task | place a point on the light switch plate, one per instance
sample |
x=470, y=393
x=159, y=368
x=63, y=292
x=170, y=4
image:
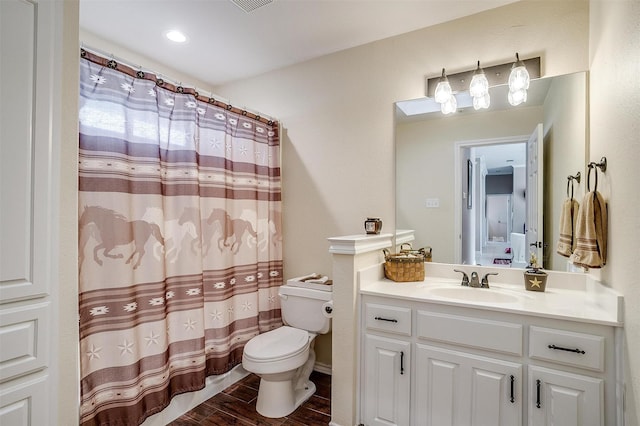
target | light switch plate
x=433, y=203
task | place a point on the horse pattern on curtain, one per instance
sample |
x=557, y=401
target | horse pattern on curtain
x=180, y=247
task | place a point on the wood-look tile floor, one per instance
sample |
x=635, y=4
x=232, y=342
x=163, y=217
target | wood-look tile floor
x=236, y=405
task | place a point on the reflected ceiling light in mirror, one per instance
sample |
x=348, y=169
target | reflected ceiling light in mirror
x=518, y=82
x=479, y=89
x=450, y=106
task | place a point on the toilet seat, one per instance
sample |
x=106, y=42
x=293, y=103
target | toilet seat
x=281, y=343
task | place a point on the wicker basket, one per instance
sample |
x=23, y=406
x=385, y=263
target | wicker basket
x=408, y=265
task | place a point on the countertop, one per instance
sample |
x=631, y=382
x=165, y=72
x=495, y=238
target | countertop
x=568, y=296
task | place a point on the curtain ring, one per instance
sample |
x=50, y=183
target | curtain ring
x=140, y=74
x=244, y=113
x=83, y=53
x=229, y=107
x=180, y=89
x=112, y=64
x=159, y=82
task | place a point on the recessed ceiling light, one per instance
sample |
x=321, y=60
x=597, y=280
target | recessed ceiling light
x=176, y=36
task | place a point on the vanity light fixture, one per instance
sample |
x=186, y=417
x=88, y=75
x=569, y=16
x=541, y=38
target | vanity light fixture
x=516, y=75
x=444, y=95
x=518, y=82
x=479, y=89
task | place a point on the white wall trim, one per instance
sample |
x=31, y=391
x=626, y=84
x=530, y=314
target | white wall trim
x=358, y=244
x=322, y=368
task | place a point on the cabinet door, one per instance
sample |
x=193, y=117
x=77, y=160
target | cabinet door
x=561, y=398
x=386, y=381
x=455, y=388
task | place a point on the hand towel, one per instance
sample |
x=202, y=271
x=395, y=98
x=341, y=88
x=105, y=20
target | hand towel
x=568, y=220
x=591, y=232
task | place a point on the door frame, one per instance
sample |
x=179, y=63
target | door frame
x=459, y=147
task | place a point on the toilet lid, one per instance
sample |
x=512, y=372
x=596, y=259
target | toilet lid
x=278, y=343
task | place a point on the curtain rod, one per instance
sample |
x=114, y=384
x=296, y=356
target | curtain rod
x=219, y=101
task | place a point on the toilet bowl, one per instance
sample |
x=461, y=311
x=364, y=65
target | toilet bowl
x=284, y=358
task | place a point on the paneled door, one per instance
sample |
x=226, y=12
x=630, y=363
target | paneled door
x=535, y=173
x=28, y=215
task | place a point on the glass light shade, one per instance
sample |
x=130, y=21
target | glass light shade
x=479, y=85
x=517, y=97
x=450, y=106
x=443, y=91
x=481, y=102
x=519, y=78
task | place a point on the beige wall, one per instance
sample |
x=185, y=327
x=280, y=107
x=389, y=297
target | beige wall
x=565, y=153
x=615, y=128
x=337, y=113
x=425, y=149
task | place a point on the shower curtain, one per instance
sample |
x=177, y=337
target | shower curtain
x=180, y=246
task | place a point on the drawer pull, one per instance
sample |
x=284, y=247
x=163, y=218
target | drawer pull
x=538, y=393
x=560, y=348
x=513, y=380
x=401, y=362
x=385, y=319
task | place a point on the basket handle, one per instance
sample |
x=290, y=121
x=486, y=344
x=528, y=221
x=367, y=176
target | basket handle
x=386, y=254
x=402, y=247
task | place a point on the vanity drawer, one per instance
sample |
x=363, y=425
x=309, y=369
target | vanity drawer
x=566, y=347
x=479, y=333
x=392, y=319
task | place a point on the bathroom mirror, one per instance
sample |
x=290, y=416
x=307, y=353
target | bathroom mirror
x=435, y=154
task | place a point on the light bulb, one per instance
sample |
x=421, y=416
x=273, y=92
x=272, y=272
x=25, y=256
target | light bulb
x=517, y=97
x=481, y=102
x=479, y=84
x=450, y=106
x=443, y=90
x=519, y=77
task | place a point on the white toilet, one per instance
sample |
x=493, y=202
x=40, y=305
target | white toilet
x=284, y=357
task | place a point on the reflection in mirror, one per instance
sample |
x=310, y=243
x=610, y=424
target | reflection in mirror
x=432, y=189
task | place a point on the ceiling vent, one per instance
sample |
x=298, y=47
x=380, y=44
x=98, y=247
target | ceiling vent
x=250, y=5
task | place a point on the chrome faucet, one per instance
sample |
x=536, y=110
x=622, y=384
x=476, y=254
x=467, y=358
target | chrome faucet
x=465, y=277
x=475, y=281
x=485, y=279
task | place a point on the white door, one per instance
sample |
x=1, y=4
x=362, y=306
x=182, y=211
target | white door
x=561, y=398
x=455, y=388
x=28, y=218
x=386, y=382
x=535, y=173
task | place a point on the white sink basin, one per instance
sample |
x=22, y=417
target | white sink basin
x=471, y=294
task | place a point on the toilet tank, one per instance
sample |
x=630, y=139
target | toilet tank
x=303, y=308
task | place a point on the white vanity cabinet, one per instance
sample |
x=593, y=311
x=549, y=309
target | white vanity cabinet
x=387, y=365
x=435, y=364
x=560, y=397
x=456, y=388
